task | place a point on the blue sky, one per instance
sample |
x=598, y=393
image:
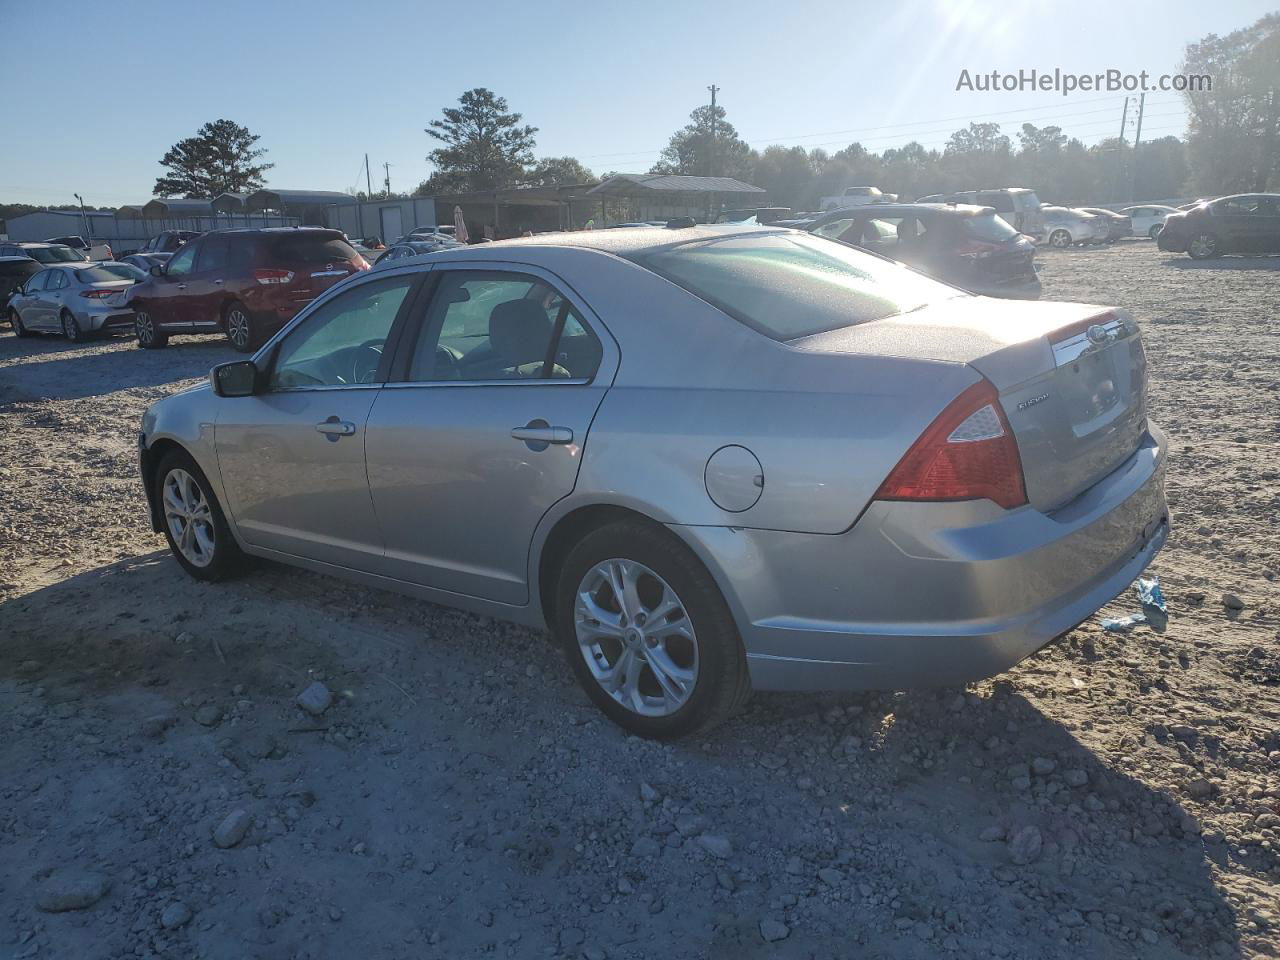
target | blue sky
x=324, y=81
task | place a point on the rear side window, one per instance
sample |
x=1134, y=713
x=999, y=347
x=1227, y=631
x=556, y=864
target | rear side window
x=305, y=249
x=790, y=286
x=989, y=228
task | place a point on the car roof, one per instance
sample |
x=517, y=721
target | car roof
x=18, y=260
x=623, y=243
x=34, y=244
x=271, y=231
x=888, y=209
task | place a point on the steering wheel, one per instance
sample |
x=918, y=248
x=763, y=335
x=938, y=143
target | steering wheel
x=365, y=362
x=447, y=363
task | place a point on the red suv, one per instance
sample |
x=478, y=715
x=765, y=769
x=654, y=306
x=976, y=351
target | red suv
x=246, y=284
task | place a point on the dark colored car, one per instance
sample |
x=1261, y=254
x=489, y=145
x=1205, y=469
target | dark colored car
x=246, y=284
x=145, y=261
x=1245, y=223
x=960, y=244
x=1118, y=224
x=14, y=272
x=168, y=242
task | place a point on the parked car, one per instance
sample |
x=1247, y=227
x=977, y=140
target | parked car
x=245, y=284
x=964, y=245
x=856, y=196
x=1068, y=226
x=14, y=272
x=77, y=300
x=1118, y=224
x=125, y=271
x=414, y=248
x=1018, y=206
x=710, y=460
x=1245, y=223
x=145, y=261
x=1148, y=219
x=168, y=241
x=92, y=251
x=447, y=229
x=761, y=215
x=1195, y=203
x=45, y=253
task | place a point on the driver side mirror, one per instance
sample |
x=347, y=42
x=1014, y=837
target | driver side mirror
x=157, y=270
x=236, y=379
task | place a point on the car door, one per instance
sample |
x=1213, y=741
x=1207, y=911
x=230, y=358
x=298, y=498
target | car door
x=481, y=427
x=201, y=301
x=50, y=299
x=165, y=293
x=1234, y=220
x=292, y=456
x=1267, y=230
x=27, y=303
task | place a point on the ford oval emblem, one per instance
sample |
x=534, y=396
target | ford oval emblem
x=1097, y=334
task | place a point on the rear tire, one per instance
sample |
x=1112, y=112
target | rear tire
x=240, y=329
x=1060, y=239
x=1203, y=246
x=193, y=521
x=15, y=321
x=144, y=328
x=71, y=327
x=696, y=637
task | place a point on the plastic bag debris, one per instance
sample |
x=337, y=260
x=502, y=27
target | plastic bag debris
x=1155, y=612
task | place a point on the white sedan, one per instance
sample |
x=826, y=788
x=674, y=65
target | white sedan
x=1148, y=220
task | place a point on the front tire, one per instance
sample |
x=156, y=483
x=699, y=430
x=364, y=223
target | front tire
x=1203, y=246
x=193, y=521
x=1060, y=239
x=15, y=321
x=648, y=634
x=144, y=328
x=1154, y=232
x=240, y=329
x=71, y=327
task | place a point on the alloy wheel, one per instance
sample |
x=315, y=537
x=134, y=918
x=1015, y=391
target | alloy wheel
x=636, y=637
x=190, y=521
x=238, y=328
x=70, y=329
x=1060, y=238
x=144, y=327
x=1203, y=245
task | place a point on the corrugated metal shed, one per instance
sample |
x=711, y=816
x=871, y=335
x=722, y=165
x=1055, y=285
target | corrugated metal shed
x=649, y=184
x=160, y=208
x=296, y=199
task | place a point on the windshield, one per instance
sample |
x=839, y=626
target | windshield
x=988, y=227
x=55, y=255
x=789, y=286
x=105, y=272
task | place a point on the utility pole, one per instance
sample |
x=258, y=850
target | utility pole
x=711, y=156
x=88, y=231
x=387, y=169
x=368, y=181
x=1124, y=118
x=1137, y=139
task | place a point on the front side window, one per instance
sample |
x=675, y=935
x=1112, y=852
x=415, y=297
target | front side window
x=788, y=286
x=341, y=342
x=835, y=230
x=180, y=263
x=1240, y=206
x=485, y=325
x=36, y=283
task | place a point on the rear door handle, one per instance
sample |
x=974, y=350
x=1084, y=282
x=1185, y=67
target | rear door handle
x=218, y=282
x=333, y=428
x=539, y=434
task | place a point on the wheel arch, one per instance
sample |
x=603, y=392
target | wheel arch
x=151, y=458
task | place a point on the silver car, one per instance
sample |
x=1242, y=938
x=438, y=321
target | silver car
x=76, y=300
x=709, y=460
x=1067, y=226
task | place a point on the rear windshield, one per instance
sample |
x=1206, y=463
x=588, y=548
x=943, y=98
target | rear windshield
x=988, y=227
x=19, y=268
x=54, y=254
x=304, y=249
x=106, y=272
x=789, y=286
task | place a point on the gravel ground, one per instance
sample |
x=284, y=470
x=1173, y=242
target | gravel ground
x=163, y=795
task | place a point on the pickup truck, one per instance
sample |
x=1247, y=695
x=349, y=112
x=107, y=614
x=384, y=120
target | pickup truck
x=856, y=197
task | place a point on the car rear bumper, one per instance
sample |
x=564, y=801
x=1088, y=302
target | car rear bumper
x=934, y=594
x=118, y=319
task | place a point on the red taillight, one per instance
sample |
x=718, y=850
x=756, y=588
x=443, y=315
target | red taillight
x=967, y=453
x=98, y=294
x=268, y=277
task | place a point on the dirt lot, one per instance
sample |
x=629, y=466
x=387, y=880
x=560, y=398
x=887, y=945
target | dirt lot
x=1114, y=796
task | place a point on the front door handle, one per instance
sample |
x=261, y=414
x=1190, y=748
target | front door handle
x=333, y=428
x=182, y=286
x=538, y=434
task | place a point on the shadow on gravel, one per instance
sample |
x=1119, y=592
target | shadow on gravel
x=875, y=825
x=1225, y=263
x=49, y=368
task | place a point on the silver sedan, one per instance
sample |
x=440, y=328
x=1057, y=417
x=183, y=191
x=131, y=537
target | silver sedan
x=708, y=460
x=76, y=300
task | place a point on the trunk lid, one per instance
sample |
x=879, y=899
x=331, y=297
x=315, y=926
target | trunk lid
x=1071, y=378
